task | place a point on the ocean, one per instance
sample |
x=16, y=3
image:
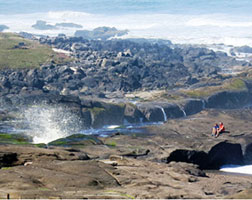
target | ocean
x=181, y=21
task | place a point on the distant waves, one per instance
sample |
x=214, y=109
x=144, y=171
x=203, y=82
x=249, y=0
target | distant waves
x=185, y=29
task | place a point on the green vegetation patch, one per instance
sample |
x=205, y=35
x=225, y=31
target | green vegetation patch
x=111, y=144
x=96, y=110
x=17, y=139
x=234, y=84
x=18, y=52
x=76, y=140
x=40, y=145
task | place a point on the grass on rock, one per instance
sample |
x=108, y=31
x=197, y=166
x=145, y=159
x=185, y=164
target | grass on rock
x=18, y=52
x=234, y=84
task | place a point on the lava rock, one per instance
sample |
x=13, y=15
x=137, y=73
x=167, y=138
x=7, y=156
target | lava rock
x=190, y=156
x=224, y=153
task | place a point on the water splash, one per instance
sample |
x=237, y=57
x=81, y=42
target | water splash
x=246, y=169
x=163, y=111
x=47, y=123
x=184, y=113
x=203, y=104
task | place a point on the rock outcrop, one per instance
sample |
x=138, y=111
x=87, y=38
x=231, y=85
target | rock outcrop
x=103, y=33
x=229, y=99
x=3, y=27
x=221, y=154
x=193, y=106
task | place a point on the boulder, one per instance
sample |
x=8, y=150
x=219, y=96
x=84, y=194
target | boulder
x=7, y=159
x=223, y=153
x=132, y=114
x=193, y=106
x=151, y=112
x=190, y=156
x=108, y=114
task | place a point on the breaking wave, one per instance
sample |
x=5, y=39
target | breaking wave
x=179, y=28
x=247, y=169
x=46, y=123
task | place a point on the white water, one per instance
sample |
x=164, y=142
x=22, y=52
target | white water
x=179, y=28
x=184, y=113
x=48, y=123
x=163, y=111
x=247, y=169
x=203, y=104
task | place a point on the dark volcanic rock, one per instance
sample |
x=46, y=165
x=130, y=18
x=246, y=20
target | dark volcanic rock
x=151, y=112
x=248, y=154
x=156, y=112
x=117, y=65
x=42, y=25
x=172, y=111
x=106, y=115
x=132, y=114
x=243, y=49
x=193, y=106
x=100, y=33
x=224, y=153
x=3, y=27
x=7, y=159
x=229, y=99
x=190, y=156
x=246, y=145
x=86, y=117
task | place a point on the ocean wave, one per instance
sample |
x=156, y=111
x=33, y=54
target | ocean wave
x=194, y=29
x=246, y=169
x=67, y=14
x=203, y=21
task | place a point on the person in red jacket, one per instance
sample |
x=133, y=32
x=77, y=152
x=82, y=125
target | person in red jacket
x=221, y=129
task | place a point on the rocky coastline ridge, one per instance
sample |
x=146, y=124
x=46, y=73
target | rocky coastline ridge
x=118, y=82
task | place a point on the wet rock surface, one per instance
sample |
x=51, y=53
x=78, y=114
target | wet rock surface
x=135, y=165
x=166, y=161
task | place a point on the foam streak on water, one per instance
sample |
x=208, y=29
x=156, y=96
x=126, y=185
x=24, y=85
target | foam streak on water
x=48, y=123
x=247, y=169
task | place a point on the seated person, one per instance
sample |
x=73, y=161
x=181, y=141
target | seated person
x=215, y=130
x=221, y=128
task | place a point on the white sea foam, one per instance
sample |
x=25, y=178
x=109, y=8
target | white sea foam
x=47, y=123
x=61, y=51
x=247, y=169
x=193, y=29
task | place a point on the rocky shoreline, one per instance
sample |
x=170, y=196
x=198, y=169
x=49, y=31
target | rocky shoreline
x=158, y=163
x=105, y=83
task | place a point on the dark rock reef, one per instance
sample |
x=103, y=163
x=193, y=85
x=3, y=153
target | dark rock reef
x=100, y=33
x=3, y=27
